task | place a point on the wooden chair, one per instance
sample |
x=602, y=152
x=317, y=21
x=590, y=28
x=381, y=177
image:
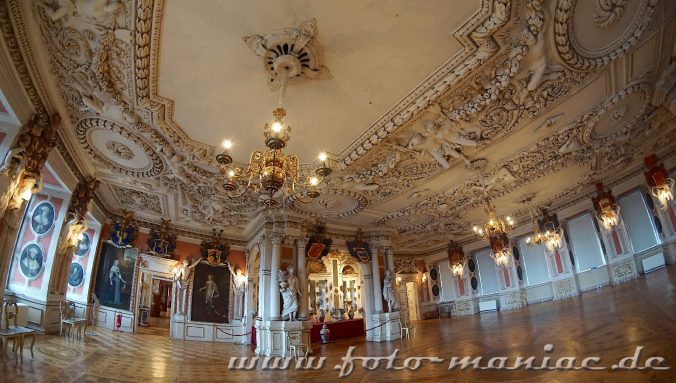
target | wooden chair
x=77, y=325
x=11, y=331
x=295, y=342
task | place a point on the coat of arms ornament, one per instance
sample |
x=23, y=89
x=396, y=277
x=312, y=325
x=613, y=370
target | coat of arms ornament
x=162, y=242
x=215, y=251
x=358, y=248
x=318, y=246
x=123, y=233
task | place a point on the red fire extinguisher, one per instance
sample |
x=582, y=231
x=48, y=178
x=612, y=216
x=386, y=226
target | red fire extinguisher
x=118, y=321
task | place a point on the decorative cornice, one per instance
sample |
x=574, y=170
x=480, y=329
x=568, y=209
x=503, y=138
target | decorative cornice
x=17, y=42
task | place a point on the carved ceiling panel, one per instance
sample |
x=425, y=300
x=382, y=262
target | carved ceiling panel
x=137, y=200
x=525, y=91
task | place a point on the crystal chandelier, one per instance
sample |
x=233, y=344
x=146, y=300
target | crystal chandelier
x=607, y=211
x=661, y=185
x=272, y=172
x=496, y=231
x=552, y=235
x=456, y=259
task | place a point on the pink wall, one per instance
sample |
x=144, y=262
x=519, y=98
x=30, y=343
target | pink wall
x=183, y=249
x=46, y=242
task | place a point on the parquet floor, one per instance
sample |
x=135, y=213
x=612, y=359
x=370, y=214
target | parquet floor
x=609, y=324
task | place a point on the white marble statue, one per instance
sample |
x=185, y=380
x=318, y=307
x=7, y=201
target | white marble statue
x=181, y=278
x=289, y=295
x=10, y=176
x=388, y=291
x=238, y=289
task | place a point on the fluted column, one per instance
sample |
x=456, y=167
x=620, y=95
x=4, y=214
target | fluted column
x=275, y=310
x=377, y=287
x=302, y=277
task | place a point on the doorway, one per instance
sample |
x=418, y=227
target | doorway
x=154, y=305
x=412, y=299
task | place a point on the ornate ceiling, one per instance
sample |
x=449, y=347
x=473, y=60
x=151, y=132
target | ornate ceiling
x=412, y=98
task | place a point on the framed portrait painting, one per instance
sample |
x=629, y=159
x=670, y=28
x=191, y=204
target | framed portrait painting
x=115, y=276
x=210, y=294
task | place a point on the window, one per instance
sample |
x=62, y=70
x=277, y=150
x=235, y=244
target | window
x=446, y=278
x=534, y=261
x=639, y=222
x=585, y=242
x=488, y=279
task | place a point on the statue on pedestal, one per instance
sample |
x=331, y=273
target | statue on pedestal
x=388, y=290
x=182, y=278
x=238, y=288
x=289, y=296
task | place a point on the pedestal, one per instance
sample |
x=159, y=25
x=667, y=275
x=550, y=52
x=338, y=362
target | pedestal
x=390, y=330
x=670, y=252
x=512, y=299
x=623, y=270
x=271, y=336
x=564, y=286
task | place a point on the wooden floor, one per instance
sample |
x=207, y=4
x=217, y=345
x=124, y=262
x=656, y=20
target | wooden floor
x=609, y=324
x=156, y=326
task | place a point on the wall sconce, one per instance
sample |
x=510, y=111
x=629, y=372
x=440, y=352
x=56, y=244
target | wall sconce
x=456, y=259
x=661, y=185
x=607, y=211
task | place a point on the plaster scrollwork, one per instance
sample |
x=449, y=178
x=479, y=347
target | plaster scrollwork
x=87, y=126
x=478, y=37
x=406, y=266
x=534, y=22
x=138, y=200
x=545, y=157
x=144, y=14
x=89, y=43
x=336, y=203
x=121, y=150
x=607, y=12
x=575, y=55
x=397, y=163
x=613, y=119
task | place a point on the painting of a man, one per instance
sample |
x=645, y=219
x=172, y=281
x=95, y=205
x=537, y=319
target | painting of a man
x=210, y=292
x=210, y=298
x=31, y=261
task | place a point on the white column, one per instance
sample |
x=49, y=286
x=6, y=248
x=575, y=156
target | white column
x=302, y=277
x=265, y=254
x=377, y=288
x=367, y=293
x=275, y=313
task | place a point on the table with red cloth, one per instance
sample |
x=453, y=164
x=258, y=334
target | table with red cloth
x=339, y=329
